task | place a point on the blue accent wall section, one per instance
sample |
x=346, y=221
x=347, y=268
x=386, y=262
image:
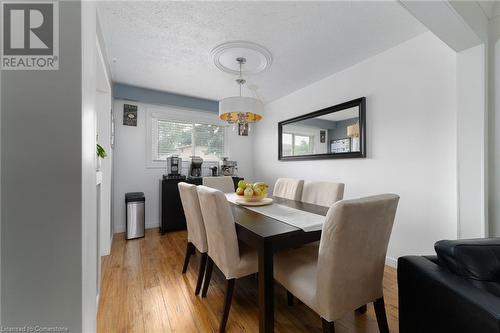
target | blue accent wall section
x=150, y=96
x=319, y=123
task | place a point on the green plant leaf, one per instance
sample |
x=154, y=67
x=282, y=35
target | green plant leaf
x=100, y=151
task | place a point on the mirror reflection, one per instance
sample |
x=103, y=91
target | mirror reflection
x=333, y=133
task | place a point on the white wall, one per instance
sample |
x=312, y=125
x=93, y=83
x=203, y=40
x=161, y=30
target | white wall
x=494, y=127
x=130, y=158
x=464, y=25
x=411, y=138
x=42, y=188
x=103, y=126
x=89, y=241
x=471, y=144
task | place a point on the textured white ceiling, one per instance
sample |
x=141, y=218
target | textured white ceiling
x=166, y=45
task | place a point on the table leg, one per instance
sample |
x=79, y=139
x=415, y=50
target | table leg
x=266, y=289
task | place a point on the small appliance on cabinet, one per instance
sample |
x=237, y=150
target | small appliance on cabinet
x=174, y=165
x=195, y=169
x=228, y=168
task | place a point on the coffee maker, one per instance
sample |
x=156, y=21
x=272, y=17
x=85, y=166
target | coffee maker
x=195, y=167
x=174, y=165
x=228, y=168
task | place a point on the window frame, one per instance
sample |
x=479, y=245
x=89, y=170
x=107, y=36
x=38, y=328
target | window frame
x=311, y=137
x=179, y=115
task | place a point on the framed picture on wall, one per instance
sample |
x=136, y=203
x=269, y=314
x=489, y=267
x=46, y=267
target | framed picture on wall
x=322, y=136
x=340, y=145
x=129, y=115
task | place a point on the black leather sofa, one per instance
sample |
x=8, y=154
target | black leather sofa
x=458, y=290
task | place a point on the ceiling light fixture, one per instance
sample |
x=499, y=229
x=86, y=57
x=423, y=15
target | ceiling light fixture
x=241, y=57
x=239, y=109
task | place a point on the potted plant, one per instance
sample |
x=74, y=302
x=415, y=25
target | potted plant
x=101, y=153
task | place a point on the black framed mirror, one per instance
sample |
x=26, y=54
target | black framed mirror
x=338, y=131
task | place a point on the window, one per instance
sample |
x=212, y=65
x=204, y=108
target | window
x=302, y=144
x=297, y=144
x=186, y=139
x=208, y=141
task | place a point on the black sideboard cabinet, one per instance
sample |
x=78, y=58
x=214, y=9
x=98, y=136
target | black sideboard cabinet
x=171, y=212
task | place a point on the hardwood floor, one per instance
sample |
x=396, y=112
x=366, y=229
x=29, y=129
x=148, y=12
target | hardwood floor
x=143, y=290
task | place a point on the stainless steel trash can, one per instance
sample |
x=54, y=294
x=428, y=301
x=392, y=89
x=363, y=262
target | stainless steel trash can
x=135, y=212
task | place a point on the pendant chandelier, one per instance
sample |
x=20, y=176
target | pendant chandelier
x=239, y=58
x=240, y=110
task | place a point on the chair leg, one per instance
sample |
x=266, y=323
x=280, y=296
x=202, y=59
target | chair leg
x=189, y=251
x=289, y=298
x=361, y=309
x=201, y=272
x=208, y=276
x=328, y=326
x=379, y=305
x=227, y=304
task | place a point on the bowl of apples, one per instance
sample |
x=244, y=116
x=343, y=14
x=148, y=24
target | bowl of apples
x=249, y=192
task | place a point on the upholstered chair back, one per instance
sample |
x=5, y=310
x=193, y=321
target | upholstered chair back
x=221, y=231
x=322, y=193
x=224, y=183
x=194, y=219
x=352, y=253
x=288, y=188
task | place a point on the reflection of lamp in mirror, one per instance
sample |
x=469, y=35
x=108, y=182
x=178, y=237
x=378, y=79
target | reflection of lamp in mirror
x=353, y=133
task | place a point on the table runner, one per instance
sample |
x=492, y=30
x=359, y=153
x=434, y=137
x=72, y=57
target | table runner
x=295, y=217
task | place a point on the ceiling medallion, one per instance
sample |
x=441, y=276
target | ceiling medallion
x=257, y=57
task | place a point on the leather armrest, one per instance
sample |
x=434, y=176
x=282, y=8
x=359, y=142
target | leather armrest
x=477, y=259
x=432, y=299
x=433, y=258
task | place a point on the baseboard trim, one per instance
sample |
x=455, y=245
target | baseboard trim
x=149, y=225
x=391, y=262
x=152, y=225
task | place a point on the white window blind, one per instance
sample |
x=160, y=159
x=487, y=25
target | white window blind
x=208, y=141
x=186, y=139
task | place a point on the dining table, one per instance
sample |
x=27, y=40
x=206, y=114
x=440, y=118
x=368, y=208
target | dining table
x=268, y=235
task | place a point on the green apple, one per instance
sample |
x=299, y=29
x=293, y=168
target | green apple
x=257, y=192
x=239, y=191
x=248, y=192
x=242, y=184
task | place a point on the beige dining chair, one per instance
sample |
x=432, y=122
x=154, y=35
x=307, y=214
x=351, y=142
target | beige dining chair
x=197, y=238
x=322, y=193
x=288, y=188
x=223, y=183
x=346, y=272
x=233, y=260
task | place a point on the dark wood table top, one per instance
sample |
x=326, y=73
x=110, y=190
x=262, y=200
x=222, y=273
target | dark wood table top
x=265, y=226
